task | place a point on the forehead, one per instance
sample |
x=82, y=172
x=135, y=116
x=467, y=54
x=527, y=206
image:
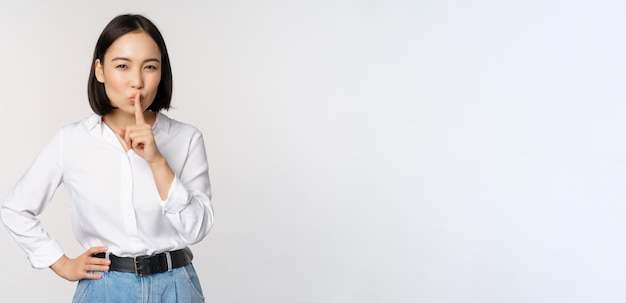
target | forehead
x=134, y=45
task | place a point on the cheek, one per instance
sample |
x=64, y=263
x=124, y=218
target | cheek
x=152, y=85
x=153, y=80
x=114, y=81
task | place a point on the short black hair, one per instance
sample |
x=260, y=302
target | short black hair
x=118, y=27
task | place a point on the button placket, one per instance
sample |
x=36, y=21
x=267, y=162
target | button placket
x=126, y=200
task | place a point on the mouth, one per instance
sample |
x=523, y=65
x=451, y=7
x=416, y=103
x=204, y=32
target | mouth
x=132, y=99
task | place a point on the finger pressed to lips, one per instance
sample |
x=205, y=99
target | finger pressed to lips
x=139, y=118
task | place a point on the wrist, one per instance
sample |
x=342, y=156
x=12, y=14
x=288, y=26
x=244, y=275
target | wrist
x=58, y=265
x=157, y=162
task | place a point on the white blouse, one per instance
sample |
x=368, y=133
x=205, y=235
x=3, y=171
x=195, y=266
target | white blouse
x=113, y=199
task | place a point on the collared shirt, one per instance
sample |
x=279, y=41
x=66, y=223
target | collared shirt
x=113, y=199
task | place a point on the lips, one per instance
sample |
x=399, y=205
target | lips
x=132, y=99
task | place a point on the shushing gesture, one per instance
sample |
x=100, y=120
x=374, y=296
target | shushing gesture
x=139, y=137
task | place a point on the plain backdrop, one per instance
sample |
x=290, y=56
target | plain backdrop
x=362, y=150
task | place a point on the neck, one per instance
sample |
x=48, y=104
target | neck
x=118, y=119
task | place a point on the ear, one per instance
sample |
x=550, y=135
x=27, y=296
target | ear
x=99, y=71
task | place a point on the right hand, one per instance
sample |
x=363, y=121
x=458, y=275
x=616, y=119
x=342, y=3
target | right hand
x=82, y=266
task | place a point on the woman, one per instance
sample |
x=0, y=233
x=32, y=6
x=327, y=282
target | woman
x=137, y=181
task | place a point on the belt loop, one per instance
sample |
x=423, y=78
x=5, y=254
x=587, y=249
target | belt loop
x=107, y=254
x=169, y=260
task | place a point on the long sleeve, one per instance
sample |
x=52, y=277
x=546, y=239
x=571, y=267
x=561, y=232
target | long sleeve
x=188, y=205
x=28, y=199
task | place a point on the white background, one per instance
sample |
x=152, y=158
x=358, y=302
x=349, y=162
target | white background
x=362, y=151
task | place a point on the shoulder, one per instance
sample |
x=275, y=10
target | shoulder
x=79, y=131
x=72, y=133
x=175, y=127
x=86, y=123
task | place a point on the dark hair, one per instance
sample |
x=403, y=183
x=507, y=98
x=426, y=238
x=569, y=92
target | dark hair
x=118, y=27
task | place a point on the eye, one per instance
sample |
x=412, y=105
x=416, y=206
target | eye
x=152, y=67
x=124, y=66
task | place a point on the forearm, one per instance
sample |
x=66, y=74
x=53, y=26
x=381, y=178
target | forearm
x=27, y=230
x=194, y=221
x=163, y=176
x=188, y=205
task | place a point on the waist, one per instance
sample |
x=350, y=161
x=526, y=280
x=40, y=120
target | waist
x=149, y=265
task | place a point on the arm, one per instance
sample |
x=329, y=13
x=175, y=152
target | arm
x=140, y=138
x=28, y=199
x=186, y=199
x=188, y=204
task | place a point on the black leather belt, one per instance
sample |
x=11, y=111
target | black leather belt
x=148, y=265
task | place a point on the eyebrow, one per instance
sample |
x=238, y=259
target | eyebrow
x=144, y=61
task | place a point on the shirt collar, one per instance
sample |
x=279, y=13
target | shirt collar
x=162, y=122
x=92, y=121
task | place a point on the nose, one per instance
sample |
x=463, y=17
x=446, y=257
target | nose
x=136, y=80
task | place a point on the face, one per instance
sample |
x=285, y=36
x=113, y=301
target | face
x=132, y=64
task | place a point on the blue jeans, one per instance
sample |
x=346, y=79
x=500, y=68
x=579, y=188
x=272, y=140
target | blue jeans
x=179, y=285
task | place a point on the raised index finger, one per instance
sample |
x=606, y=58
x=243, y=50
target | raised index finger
x=139, y=119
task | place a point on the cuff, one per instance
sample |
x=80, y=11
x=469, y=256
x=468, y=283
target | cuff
x=46, y=255
x=177, y=198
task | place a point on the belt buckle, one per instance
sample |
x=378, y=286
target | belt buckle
x=136, y=261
